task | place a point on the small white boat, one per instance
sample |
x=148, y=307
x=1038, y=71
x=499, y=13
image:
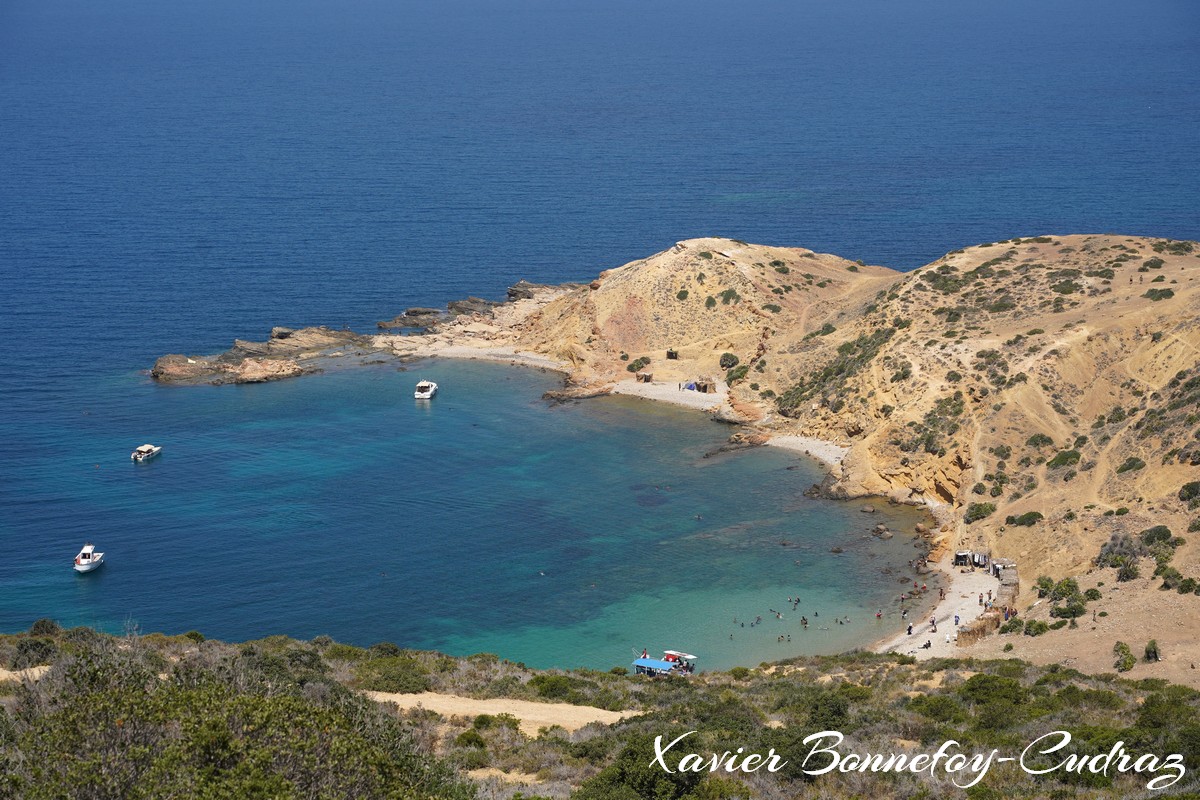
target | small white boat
x=88, y=559
x=425, y=390
x=145, y=451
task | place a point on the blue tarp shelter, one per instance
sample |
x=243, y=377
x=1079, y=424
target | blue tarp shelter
x=653, y=666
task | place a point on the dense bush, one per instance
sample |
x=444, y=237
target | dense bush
x=106, y=726
x=729, y=361
x=1132, y=463
x=1125, y=660
x=978, y=511
x=1064, y=458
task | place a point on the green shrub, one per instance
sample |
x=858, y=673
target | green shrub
x=706, y=255
x=737, y=373
x=637, y=365
x=1026, y=520
x=1131, y=463
x=1128, y=571
x=1039, y=440
x=710, y=302
x=1125, y=660
x=555, y=687
x=1064, y=458
x=1159, y=294
x=682, y=294
x=1074, y=606
x=45, y=627
x=729, y=361
x=1152, y=650
x=1092, y=594
x=1035, y=627
x=401, y=674
x=470, y=738
x=1159, y=533
x=34, y=651
x=1189, y=491
x=978, y=511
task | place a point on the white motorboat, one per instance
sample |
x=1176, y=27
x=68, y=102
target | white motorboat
x=145, y=451
x=88, y=559
x=425, y=390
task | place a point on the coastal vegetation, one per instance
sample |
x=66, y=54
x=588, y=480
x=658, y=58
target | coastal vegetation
x=155, y=716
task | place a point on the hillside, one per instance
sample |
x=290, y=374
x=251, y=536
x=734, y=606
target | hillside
x=1041, y=394
x=1050, y=374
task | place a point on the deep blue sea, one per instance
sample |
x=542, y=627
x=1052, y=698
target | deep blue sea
x=173, y=176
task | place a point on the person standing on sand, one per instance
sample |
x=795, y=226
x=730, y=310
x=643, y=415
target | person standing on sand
x=910, y=629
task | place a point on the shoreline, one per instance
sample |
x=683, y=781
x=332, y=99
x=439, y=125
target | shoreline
x=963, y=587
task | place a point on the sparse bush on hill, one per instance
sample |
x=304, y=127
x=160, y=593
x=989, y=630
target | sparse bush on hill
x=1040, y=440
x=1125, y=660
x=1130, y=464
x=978, y=511
x=1064, y=458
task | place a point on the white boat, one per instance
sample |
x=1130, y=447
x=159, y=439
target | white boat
x=145, y=451
x=88, y=559
x=425, y=390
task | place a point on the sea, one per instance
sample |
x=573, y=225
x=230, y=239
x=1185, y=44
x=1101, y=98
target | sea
x=177, y=175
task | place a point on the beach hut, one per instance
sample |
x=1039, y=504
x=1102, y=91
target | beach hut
x=962, y=558
x=672, y=355
x=706, y=386
x=645, y=377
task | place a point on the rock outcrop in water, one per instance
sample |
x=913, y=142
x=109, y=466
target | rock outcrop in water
x=286, y=354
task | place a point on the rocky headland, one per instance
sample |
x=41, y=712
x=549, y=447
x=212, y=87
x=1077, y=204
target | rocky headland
x=1040, y=394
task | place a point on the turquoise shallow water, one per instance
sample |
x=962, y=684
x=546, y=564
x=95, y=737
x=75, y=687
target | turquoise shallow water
x=485, y=520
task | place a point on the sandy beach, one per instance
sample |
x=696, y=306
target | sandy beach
x=671, y=393
x=501, y=354
x=962, y=598
x=828, y=452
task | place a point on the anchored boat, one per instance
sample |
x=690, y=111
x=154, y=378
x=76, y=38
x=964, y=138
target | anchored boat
x=425, y=390
x=142, y=452
x=88, y=559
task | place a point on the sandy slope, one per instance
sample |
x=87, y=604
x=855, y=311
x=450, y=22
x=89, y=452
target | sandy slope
x=533, y=716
